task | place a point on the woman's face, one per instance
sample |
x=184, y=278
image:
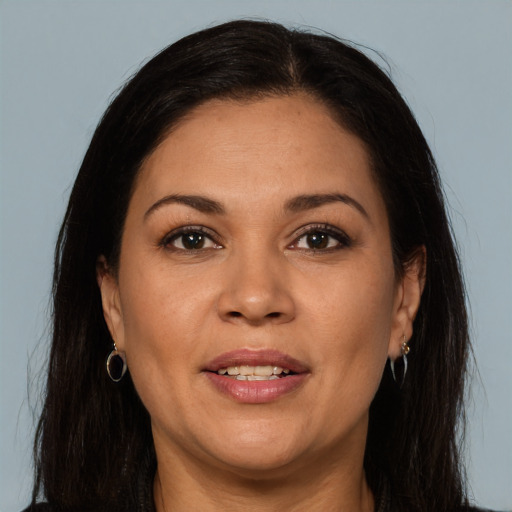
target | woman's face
x=257, y=244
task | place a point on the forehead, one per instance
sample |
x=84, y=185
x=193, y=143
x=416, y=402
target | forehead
x=265, y=148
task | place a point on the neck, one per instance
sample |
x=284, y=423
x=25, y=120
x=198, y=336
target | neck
x=317, y=486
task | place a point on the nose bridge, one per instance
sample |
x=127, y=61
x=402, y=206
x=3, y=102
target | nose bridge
x=256, y=289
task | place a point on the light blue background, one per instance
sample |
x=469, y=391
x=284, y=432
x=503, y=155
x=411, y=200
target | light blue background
x=62, y=60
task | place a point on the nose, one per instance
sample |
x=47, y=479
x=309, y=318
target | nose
x=256, y=291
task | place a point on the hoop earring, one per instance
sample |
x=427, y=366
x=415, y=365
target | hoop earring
x=404, y=350
x=116, y=364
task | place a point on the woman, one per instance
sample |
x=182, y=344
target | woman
x=257, y=228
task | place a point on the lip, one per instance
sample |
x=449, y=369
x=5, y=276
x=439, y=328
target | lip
x=256, y=358
x=256, y=392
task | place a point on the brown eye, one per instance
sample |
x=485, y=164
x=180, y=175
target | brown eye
x=322, y=238
x=317, y=240
x=190, y=240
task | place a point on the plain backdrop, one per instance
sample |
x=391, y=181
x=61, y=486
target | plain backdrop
x=61, y=61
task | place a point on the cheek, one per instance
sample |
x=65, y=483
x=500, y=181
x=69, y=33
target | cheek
x=355, y=303
x=161, y=320
x=351, y=319
x=157, y=300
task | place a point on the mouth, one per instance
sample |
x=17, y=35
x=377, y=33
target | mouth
x=246, y=372
x=256, y=376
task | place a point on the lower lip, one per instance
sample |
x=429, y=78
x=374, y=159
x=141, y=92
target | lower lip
x=256, y=391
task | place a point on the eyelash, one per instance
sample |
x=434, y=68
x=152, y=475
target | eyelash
x=182, y=232
x=342, y=239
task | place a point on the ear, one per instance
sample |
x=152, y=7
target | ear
x=407, y=301
x=111, y=303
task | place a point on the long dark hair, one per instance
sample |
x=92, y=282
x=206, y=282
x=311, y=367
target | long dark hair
x=93, y=434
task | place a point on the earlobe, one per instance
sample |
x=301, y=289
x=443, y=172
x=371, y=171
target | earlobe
x=408, y=301
x=111, y=304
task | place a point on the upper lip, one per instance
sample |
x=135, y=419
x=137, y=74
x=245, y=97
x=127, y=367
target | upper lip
x=251, y=357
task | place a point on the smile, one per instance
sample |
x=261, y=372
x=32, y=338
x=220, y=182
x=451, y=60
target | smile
x=245, y=372
x=256, y=376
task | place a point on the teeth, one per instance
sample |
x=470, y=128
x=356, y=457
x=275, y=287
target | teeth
x=263, y=371
x=254, y=377
x=245, y=372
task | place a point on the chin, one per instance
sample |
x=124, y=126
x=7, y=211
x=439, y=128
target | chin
x=255, y=450
x=258, y=465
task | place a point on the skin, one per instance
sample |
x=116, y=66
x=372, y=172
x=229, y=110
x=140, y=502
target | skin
x=257, y=283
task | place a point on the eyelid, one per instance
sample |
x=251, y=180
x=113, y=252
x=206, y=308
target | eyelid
x=330, y=230
x=338, y=234
x=167, y=240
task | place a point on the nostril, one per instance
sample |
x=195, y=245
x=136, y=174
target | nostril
x=237, y=314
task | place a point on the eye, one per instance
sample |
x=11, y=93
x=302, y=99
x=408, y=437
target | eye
x=318, y=238
x=190, y=239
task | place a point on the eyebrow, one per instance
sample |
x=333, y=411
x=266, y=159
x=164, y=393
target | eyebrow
x=295, y=204
x=308, y=202
x=200, y=203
